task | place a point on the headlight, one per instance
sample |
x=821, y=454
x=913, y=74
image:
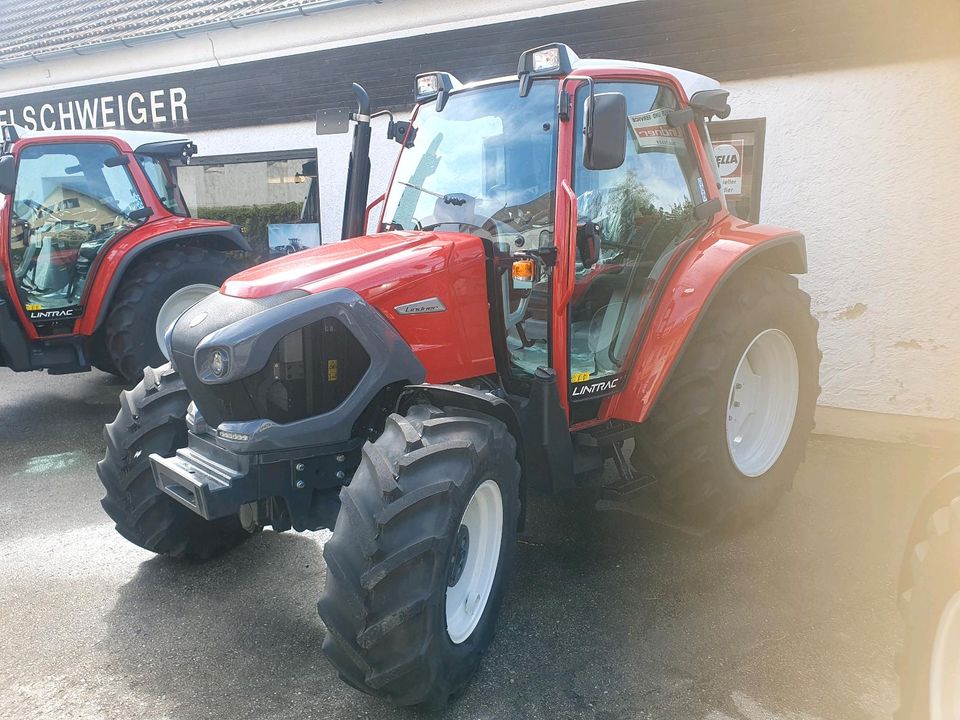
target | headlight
x=546, y=59
x=218, y=363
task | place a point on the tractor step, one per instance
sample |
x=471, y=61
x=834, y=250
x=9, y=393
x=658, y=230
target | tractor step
x=609, y=433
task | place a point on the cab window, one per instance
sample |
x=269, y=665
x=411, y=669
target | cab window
x=163, y=182
x=644, y=211
x=71, y=199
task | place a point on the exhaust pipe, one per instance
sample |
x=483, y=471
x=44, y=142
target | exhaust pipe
x=358, y=171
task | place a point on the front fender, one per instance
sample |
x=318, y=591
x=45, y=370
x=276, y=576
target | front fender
x=117, y=259
x=687, y=294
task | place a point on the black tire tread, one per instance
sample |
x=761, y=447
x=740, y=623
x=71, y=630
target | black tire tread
x=676, y=444
x=934, y=576
x=151, y=419
x=376, y=603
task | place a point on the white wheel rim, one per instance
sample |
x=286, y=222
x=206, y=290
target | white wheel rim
x=762, y=403
x=473, y=568
x=945, y=665
x=176, y=305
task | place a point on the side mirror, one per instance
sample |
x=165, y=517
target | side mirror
x=588, y=243
x=8, y=174
x=605, y=131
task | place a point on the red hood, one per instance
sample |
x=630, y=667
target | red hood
x=343, y=264
x=389, y=271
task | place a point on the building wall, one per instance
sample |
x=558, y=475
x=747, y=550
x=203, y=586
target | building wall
x=864, y=161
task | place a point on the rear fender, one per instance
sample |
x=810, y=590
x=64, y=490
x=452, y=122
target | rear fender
x=687, y=295
x=107, y=277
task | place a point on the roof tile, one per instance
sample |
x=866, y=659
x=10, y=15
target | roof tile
x=34, y=27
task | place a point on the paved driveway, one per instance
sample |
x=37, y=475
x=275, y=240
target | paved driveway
x=608, y=615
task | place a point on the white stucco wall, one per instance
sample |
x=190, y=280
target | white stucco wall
x=865, y=162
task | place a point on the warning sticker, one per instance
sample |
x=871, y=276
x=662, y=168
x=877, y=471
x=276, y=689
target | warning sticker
x=652, y=133
x=729, y=154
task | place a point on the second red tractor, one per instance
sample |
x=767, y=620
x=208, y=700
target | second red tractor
x=98, y=252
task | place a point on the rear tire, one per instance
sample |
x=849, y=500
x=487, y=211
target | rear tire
x=685, y=444
x=130, y=330
x=151, y=420
x=929, y=665
x=399, y=554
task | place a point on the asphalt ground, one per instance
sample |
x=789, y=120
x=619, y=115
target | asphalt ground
x=607, y=616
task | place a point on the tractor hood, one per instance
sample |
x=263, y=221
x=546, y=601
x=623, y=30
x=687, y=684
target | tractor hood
x=395, y=272
x=358, y=264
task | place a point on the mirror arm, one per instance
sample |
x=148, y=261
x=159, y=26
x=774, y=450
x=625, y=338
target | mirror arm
x=588, y=120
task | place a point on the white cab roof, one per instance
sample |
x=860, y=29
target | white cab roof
x=690, y=81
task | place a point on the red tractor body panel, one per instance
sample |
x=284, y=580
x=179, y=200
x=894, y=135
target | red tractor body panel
x=390, y=270
x=686, y=294
x=110, y=261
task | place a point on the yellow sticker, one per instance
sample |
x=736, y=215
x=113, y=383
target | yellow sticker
x=331, y=370
x=34, y=306
x=580, y=377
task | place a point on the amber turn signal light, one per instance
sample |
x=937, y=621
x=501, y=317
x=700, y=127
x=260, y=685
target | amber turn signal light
x=523, y=274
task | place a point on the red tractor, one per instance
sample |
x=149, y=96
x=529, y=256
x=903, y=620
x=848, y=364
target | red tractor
x=556, y=279
x=98, y=251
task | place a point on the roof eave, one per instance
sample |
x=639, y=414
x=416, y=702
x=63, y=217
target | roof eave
x=311, y=8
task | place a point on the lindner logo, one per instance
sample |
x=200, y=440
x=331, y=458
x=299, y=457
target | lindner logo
x=595, y=388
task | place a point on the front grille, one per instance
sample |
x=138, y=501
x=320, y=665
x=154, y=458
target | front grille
x=310, y=372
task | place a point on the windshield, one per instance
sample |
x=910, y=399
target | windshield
x=163, y=183
x=486, y=162
x=71, y=200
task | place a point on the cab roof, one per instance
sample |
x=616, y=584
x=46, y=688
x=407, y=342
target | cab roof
x=137, y=139
x=691, y=82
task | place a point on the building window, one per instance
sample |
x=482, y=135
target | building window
x=738, y=147
x=273, y=197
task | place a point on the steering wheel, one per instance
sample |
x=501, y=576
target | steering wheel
x=490, y=227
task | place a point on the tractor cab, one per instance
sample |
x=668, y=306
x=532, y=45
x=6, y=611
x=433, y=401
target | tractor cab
x=584, y=178
x=68, y=201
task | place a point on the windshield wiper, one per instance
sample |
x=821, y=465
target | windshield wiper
x=421, y=189
x=449, y=199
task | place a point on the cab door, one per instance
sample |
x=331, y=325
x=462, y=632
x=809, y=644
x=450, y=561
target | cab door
x=642, y=213
x=71, y=200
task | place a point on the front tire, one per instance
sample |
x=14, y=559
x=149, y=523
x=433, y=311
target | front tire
x=729, y=431
x=929, y=666
x=130, y=333
x=418, y=561
x=151, y=420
